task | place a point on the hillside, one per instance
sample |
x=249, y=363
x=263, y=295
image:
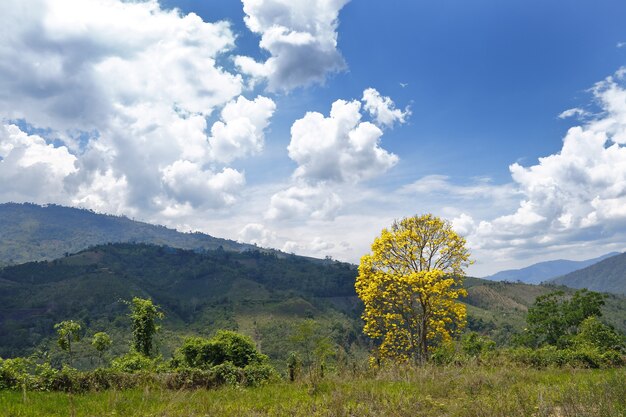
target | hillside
x=29, y=232
x=608, y=275
x=543, y=271
x=200, y=292
x=257, y=293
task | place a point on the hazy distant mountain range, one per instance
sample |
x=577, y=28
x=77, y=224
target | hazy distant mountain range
x=544, y=271
x=608, y=275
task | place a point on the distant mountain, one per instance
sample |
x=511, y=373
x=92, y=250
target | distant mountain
x=29, y=232
x=544, y=271
x=608, y=275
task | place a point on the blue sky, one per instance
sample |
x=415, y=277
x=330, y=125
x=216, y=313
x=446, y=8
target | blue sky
x=216, y=116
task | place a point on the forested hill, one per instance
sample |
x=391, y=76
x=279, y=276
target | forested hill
x=29, y=232
x=257, y=293
x=200, y=292
x=608, y=275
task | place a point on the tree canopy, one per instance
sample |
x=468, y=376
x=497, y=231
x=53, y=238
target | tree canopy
x=410, y=284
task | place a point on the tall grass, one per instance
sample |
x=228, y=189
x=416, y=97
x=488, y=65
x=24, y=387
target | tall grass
x=468, y=391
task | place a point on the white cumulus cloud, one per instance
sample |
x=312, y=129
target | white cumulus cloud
x=301, y=38
x=301, y=200
x=383, y=109
x=240, y=130
x=340, y=147
x=30, y=168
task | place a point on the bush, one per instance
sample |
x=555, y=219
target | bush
x=474, y=345
x=191, y=379
x=14, y=373
x=443, y=354
x=225, y=346
x=256, y=374
x=578, y=357
x=135, y=362
x=227, y=373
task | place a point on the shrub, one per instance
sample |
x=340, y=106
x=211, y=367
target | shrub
x=134, y=362
x=474, y=345
x=227, y=373
x=14, y=373
x=256, y=374
x=443, y=354
x=225, y=346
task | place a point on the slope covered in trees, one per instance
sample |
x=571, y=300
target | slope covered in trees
x=269, y=298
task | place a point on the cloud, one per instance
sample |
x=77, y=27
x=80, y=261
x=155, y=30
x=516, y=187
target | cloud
x=575, y=196
x=331, y=152
x=301, y=38
x=188, y=182
x=338, y=148
x=257, y=234
x=126, y=88
x=480, y=188
x=383, y=109
x=304, y=201
x=30, y=168
x=573, y=112
x=240, y=130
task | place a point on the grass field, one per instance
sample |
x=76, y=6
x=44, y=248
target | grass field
x=476, y=391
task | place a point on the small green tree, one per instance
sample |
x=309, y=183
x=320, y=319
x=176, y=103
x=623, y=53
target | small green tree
x=68, y=331
x=144, y=315
x=294, y=364
x=101, y=341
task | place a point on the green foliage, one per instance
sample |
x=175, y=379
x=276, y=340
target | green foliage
x=443, y=354
x=67, y=332
x=256, y=374
x=144, y=315
x=598, y=335
x=225, y=346
x=294, y=365
x=474, y=345
x=101, y=342
x=135, y=362
x=313, y=346
x=227, y=373
x=576, y=357
x=553, y=319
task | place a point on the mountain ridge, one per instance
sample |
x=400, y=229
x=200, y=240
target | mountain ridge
x=608, y=275
x=544, y=271
x=31, y=232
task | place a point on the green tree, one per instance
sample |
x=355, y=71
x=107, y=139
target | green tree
x=554, y=318
x=101, y=341
x=597, y=334
x=68, y=331
x=144, y=315
x=410, y=284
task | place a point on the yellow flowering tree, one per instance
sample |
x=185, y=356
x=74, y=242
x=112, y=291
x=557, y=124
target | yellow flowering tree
x=410, y=284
